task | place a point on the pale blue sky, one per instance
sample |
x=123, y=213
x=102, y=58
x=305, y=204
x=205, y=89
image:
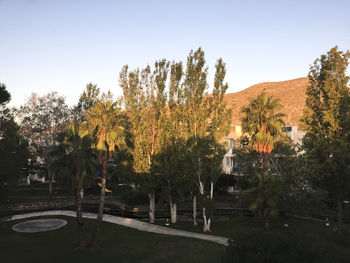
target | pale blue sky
x=63, y=45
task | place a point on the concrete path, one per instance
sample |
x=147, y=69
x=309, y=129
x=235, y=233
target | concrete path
x=128, y=222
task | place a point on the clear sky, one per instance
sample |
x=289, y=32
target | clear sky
x=63, y=45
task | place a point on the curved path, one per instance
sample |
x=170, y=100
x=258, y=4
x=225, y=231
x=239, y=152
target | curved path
x=128, y=222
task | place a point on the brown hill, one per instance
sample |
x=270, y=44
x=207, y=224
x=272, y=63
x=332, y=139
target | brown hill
x=292, y=95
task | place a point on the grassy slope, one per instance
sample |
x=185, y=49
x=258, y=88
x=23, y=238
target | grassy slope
x=117, y=244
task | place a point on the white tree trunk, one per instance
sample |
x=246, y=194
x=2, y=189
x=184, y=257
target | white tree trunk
x=173, y=212
x=207, y=221
x=195, y=210
x=152, y=204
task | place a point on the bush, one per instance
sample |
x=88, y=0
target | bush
x=276, y=247
x=134, y=197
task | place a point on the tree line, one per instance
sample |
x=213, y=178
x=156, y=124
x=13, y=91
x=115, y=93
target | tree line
x=168, y=130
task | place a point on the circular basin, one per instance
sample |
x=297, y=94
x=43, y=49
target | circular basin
x=39, y=225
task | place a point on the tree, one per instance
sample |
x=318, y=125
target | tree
x=13, y=147
x=105, y=123
x=5, y=112
x=326, y=120
x=145, y=105
x=74, y=153
x=89, y=97
x=13, y=157
x=263, y=126
x=206, y=120
x=41, y=119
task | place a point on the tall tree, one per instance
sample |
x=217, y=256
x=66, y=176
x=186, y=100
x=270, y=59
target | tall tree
x=13, y=147
x=144, y=103
x=106, y=124
x=171, y=159
x=206, y=117
x=41, y=119
x=13, y=157
x=74, y=153
x=326, y=119
x=263, y=124
x=89, y=97
x=5, y=112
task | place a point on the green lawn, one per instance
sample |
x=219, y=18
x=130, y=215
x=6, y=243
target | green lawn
x=117, y=244
x=336, y=238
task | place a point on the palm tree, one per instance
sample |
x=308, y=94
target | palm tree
x=263, y=124
x=266, y=190
x=74, y=153
x=105, y=123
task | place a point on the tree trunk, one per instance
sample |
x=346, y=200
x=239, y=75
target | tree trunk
x=265, y=162
x=266, y=212
x=206, y=221
x=102, y=202
x=50, y=184
x=152, y=204
x=78, y=205
x=195, y=210
x=340, y=210
x=173, y=212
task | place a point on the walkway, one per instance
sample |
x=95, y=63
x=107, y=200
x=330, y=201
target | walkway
x=128, y=222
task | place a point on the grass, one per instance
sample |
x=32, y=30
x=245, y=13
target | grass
x=336, y=237
x=117, y=244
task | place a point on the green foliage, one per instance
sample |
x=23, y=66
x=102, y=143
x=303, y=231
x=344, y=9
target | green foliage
x=262, y=123
x=13, y=157
x=266, y=190
x=5, y=96
x=326, y=120
x=5, y=112
x=106, y=125
x=297, y=174
x=134, y=197
x=73, y=157
x=89, y=97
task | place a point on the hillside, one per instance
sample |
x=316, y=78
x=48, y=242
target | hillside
x=291, y=94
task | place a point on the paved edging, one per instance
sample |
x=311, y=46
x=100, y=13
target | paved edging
x=128, y=222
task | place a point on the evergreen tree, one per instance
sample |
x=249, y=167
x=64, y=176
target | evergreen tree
x=13, y=147
x=5, y=112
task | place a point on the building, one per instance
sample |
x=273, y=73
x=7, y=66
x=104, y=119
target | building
x=230, y=165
